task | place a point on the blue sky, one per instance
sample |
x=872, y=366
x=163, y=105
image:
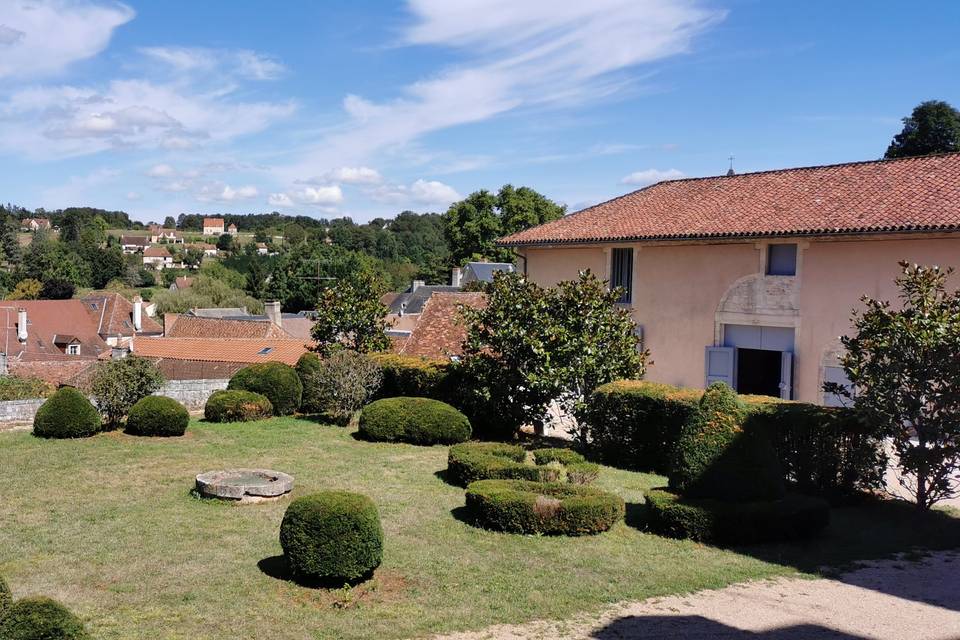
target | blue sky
x=367, y=108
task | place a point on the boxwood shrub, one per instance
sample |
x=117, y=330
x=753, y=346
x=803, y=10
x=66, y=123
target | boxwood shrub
x=414, y=377
x=66, y=414
x=158, y=416
x=237, y=406
x=473, y=461
x=277, y=381
x=307, y=366
x=717, y=521
x=717, y=456
x=413, y=420
x=576, y=467
x=6, y=598
x=332, y=535
x=40, y=619
x=521, y=506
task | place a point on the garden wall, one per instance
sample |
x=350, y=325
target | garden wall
x=192, y=394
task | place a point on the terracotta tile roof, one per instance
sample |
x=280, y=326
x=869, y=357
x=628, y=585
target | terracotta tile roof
x=884, y=196
x=245, y=350
x=183, y=282
x=47, y=319
x=440, y=331
x=186, y=326
x=137, y=241
x=114, y=315
x=213, y=222
x=156, y=252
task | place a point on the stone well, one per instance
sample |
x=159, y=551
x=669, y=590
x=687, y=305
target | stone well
x=244, y=485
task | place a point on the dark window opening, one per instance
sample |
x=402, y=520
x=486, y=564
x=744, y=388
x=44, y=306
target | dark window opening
x=621, y=273
x=782, y=260
x=758, y=372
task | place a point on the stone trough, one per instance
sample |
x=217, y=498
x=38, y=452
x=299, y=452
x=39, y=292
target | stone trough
x=244, y=485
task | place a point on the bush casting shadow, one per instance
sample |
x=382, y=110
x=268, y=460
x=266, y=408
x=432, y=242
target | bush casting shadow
x=277, y=568
x=698, y=627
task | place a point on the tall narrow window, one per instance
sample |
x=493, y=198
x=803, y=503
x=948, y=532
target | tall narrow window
x=621, y=273
x=782, y=260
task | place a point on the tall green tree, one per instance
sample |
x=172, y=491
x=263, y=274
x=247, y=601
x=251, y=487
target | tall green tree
x=169, y=223
x=473, y=225
x=350, y=316
x=904, y=368
x=933, y=127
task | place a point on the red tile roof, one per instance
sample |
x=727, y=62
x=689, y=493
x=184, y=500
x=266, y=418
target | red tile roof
x=907, y=195
x=440, y=332
x=245, y=350
x=156, y=252
x=114, y=315
x=45, y=320
x=213, y=222
x=184, y=326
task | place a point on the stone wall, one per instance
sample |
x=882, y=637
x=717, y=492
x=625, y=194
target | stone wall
x=192, y=394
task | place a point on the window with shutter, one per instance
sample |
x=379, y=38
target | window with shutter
x=621, y=273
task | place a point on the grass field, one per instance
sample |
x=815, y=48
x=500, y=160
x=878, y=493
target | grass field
x=108, y=525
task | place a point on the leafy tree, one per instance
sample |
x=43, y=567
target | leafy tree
x=108, y=264
x=293, y=234
x=256, y=279
x=473, y=225
x=169, y=223
x=933, y=127
x=341, y=384
x=350, y=315
x=57, y=290
x=205, y=292
x=904, y=368
x=117, y=385
x=47, y=259
x=28, y=289
x=10, y=241
x=530, y=346
x=225, y=242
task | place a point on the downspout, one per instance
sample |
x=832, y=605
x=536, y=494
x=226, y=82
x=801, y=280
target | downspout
x=522, y=257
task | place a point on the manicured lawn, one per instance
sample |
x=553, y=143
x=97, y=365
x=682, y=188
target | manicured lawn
x=108, y=526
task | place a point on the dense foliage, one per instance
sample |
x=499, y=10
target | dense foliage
x=414, y=420
x=275, y=380
x=351, y=316
x=158, y=416
x=39, y=618
x=904, y=368
x=237, y=406
x=932, y=127
x=6, y=598
x=66, y=414
x=14, y=388
x=521, y=506
x=531, y=345
x=332, y=535
x=206, y=292
x=472, y=461
x=119, y=384
x=338, y=385
x=413, y=376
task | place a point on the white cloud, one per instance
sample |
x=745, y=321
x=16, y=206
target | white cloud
x=226, y=193
x=280, y=200
x=39, y=37
x=243, y=62
x=650, y=176
x=352, y=175
x=133, y=196
x=323, y=196
x=161, y=170
x=426, y=192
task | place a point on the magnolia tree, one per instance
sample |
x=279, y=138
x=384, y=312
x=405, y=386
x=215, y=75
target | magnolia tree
x=350, y=315
x=117, y=385
x=532, y=346
x=904, y=366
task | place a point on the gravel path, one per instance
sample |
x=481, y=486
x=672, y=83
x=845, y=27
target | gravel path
x=884, y=600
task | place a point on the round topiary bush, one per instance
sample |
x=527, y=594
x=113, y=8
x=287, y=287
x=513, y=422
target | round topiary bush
x=521, y=506
x=717, y=457
x=6, y=598
x=308, y=366
x=66, y=414
x=40, y=619
x=277, y=381
x=158, y=416
x=237, y=406
x=717, y=521
x=472, y=461
x=413, y=420
x=332, y=535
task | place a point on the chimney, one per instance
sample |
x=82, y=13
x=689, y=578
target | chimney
x=272, y=309
x=118, y=353
x=455, y=276
x=137, y=313
x=417, y=284
x=22, y=324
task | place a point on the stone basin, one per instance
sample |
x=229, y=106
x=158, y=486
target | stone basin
x=245, y=485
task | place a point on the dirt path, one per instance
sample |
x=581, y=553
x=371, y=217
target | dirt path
x=885, y=600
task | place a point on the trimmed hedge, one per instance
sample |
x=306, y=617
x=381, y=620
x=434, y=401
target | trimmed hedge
x=578, y=470
x=716, y=521
x=66, y=414
x=413, y=420
x=414, y=377
x=332, y=535
x=40, y=619
x=717, y=456
x=158, y=416
x=6, y=598
x=237, y=406
x=474, y=461
x=277, y=381
x=307, y=367
x=521, y=506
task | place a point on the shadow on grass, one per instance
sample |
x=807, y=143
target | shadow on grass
x=636, y=515
x=698, y=627
x=277, y=568
x=444, y=476
x=462, y=514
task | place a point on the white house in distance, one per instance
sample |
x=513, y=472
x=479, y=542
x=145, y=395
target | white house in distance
x=35, y=224
x=157, y=257
x=232, y=229
x=213, y=226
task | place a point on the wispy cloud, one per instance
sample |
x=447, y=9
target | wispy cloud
x=243, y=62
x=650, y=176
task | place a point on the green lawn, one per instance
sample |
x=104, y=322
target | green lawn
x=108, y=526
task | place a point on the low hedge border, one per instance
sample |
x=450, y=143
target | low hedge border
x=735, y=523
x=472, y=461
x=413, y=420
x=550, y=508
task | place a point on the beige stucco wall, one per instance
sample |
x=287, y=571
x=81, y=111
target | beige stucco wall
x=683, y=293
